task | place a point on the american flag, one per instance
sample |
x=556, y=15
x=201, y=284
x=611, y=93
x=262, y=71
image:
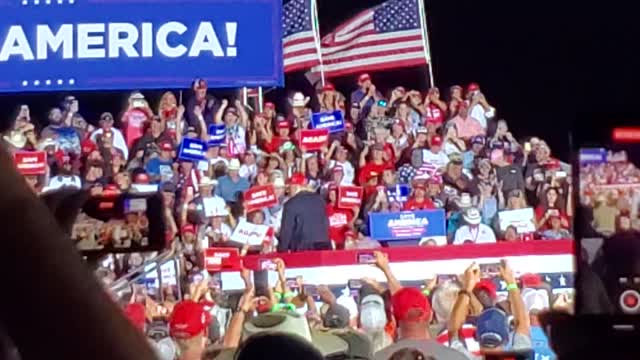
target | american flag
x=299, y=39
x=387, y=36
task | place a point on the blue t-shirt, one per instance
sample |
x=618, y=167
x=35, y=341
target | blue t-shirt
x=162, y=168
x=540, y=344
x=227, y=188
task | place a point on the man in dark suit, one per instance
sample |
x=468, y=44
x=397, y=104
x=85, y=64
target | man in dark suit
x=304, y=222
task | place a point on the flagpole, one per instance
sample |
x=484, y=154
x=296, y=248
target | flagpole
x=316, y=37
x=425, y=40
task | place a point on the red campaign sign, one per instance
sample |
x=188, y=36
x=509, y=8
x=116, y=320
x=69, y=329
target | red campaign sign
x=222, y=259
x=314, y=139
x=260, y=197
x=31, y=162
x=349, y=196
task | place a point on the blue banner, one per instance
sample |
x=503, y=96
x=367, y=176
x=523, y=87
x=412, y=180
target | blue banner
x=407, y=225
x=593, y=156
x=50, y=45
x=334, y=121
x=399, y=193
x=192, y=150
x=217, y=134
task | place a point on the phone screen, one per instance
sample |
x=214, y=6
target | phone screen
x=366, y=258
x=120, y=223
x=608, y=221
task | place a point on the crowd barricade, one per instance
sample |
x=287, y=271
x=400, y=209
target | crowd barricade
x=411, y=264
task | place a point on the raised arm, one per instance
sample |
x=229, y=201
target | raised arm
x=382, y=262
x=223, y=107
x=462, y=305
x=515, y=299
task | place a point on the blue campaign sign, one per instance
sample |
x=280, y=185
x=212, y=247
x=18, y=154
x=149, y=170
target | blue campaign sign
x=334, y=121
x=49, y=45
x=192, y=150
x=217, y=134
x=593, y=156
x=407, y=225
x=399, y=193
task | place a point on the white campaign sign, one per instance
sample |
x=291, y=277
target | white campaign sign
x=522, y=219
x=248, y=233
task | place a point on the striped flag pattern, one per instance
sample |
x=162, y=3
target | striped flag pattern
x=299, y=40
x=387, y=36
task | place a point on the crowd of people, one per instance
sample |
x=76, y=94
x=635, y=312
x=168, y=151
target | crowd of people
x=450, y=151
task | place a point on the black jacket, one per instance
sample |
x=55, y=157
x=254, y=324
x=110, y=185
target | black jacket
x=305, y=225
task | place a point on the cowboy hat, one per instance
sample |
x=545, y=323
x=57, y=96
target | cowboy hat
x=472, y=216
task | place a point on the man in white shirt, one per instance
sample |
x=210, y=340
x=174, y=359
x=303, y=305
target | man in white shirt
x=435, y=156
x=473, y=232
x=106, y=125
x=479, y=107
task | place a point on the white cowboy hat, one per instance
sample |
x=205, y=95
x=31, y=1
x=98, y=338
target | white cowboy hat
x=298, y=100
x=207, y=181
x=234, y=165
x=472, y=216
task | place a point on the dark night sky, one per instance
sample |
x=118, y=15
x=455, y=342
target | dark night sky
x=543, y=65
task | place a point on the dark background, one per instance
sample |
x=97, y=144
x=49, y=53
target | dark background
x=546, y=66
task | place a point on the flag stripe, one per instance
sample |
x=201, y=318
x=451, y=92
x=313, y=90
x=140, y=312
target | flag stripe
x=375, y=67
x=373, y=37
x=299, y=42
x=355, y=23
x=386, y=36
x=374, y=49
x=382, y=57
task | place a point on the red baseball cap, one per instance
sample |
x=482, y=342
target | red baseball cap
x=328, y=87
x=141, y=178
x=409, y=304
x=188, y=228
x=363, y=77
x=188, y=319
x=136, y=314
x=283, y=124
x=530, y=280
x=269, y=105
x=166, y=146
x=436, y=141
x=488, y=286
x=88, y=146
x=473, y=87
x=297, y=179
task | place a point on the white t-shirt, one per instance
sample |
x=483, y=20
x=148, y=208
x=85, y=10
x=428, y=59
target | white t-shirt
x=479, y=114
x=225, y=230
x=439, y=160
x=348, y=171
x=248, y=171
x=450, y=148
x=236, y=140
x=480, y=235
